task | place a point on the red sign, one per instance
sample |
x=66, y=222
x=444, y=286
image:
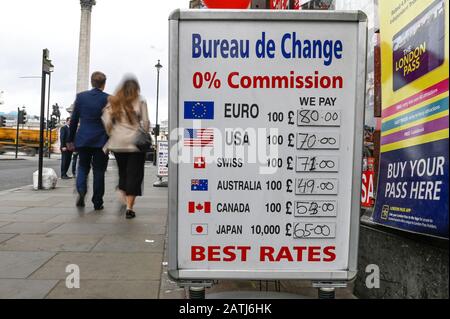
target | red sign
x=368, y=174
x=279, y=4
x=284, y=5
x=227, y=4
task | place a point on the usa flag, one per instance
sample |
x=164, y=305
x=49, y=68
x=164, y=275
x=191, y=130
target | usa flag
x=199, y=137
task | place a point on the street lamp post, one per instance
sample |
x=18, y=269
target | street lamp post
x=48, y=111
x=47, y=68
x=158, y=68
x=17, y=132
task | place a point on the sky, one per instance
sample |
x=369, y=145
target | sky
x=128, y=36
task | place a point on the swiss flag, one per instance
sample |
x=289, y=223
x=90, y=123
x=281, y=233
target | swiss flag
x=199, y=162
x=194, y=207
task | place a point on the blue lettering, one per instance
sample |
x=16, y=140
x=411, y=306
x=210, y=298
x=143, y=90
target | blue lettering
x=286, y=37
x=196, y=45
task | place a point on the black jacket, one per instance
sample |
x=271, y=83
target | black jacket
x=64, y=136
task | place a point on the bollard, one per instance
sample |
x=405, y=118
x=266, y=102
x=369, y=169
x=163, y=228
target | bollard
x=197, y=292
x=327, y=293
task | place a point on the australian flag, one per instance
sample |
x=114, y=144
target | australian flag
x=196, y=110
x=199, y=185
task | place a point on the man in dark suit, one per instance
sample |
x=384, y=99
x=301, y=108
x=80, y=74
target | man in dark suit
x=90, y=137
x=66, y=154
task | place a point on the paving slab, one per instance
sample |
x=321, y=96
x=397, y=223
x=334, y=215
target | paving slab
x=30, y=203
x=10, y=210
x=31, y=196
x=25, y=288
x=17, y=217
x=28, y=228
x=20, y=265
x=3, y=223
x=104, y=266
x=116, y=217
x=130, y=243
x=107, y=289
x=88, y=218
x=5, y=237
x=109, y=229
x=52, y=210
x=150, y=204
x=51, y=243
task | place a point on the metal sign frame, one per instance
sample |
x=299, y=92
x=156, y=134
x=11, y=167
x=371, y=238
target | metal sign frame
x=202, y=275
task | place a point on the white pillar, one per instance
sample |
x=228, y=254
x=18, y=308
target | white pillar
x=84, y=46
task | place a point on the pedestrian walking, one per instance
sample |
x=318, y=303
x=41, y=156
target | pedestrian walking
x=124, y=117
x=74, y=163
x=66, y=154
x=90, y=138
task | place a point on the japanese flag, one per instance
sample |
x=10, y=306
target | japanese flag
x=199, y=229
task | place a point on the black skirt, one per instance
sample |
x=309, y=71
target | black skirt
x=131, y=172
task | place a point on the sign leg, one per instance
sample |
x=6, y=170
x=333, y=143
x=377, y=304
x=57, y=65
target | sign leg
x=327, y=293
x=197, y=292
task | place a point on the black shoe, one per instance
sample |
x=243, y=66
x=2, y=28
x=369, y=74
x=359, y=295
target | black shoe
x=130, y=214
x=99, y=207
x=80, y=200
x=65, y=177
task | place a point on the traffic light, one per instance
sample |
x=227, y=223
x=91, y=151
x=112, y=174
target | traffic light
x=2, y=121
x=22, y=116
x=52, y=123
x=156, y=130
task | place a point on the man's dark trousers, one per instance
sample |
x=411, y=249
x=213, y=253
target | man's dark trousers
x=74, y=163
x=96, y=156
x=66, y=157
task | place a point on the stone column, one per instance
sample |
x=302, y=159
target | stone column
x=85, y=45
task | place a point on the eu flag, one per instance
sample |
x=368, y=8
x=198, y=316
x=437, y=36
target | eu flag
x=196, y=110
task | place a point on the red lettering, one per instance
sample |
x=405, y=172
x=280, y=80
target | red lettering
x=285, y=253
x=229, y=251
x=329, y=251
x=197, y=253
x=213, y=251
x=218, y=253
x=300, y=250
x=314, y=253
x=244, y=250
x=266, y=252
x=230, y=80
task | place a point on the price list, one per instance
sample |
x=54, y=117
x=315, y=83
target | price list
x=265, y=170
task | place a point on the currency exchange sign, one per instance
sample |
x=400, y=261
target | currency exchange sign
x=266, y=144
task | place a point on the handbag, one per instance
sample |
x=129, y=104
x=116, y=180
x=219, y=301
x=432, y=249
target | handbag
x=143, y=139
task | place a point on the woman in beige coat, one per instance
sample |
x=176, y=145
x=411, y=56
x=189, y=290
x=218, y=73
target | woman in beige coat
x=122, y=117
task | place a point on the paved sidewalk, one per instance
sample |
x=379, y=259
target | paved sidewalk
x=41, y=233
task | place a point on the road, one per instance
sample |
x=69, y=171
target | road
x=17, y=173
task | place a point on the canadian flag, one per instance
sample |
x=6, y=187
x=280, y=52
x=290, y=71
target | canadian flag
x=194, y=207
